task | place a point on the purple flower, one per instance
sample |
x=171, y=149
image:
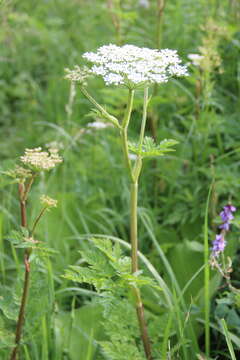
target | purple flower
x=230, y=208
x=227, y=216
x=218, y=245
x=225, y=226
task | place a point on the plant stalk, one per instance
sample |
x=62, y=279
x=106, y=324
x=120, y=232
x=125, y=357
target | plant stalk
x=124, y=130
x=134, y=175
x=103, y=112
x=38, y=219
x=21, y=314
x=134, y=256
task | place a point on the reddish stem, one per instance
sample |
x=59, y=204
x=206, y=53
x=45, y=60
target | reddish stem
x=21, y=315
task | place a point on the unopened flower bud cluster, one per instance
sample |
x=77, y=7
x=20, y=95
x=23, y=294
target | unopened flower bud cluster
x=47, y=201
x=77, y=74
x=131, y=66
x=41, y=160
x=19, y=173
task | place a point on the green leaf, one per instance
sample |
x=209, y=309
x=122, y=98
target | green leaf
x=149, y=148
x=15, y=237
x=8, y=304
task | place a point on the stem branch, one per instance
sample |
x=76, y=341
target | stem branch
x=38, y=219
x=124, y=130
x=103, y=112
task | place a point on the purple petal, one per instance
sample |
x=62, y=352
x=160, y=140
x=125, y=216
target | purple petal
x=225, y=226
x=230, y=208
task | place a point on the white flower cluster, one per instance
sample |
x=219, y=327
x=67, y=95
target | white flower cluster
x=47, y=201
x=41, y=160
x=131, y=65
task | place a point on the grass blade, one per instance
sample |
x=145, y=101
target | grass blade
x=228, y=340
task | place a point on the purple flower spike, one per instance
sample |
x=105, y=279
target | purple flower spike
x=227, y=216
x=218, y=245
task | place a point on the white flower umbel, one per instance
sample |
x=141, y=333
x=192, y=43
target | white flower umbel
x=133, y=66
x=41, y=160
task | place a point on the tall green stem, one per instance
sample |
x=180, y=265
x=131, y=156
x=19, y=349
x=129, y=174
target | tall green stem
x=134, y=256
x=134, y=176
x=134, y=226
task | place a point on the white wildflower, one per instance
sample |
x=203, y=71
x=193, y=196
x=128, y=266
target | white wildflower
x=195, y=59
x=41, y=160
x=132, y=66
x=98, y=125
x=47, y=201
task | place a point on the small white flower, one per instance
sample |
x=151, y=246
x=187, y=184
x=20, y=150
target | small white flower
x=132, y=66
x=195, y=59
x=41, y=160
x=98, y=125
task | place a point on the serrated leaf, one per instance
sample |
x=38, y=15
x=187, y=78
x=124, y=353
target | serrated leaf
x=8, y=305
x=150, y=149
x=15, y=237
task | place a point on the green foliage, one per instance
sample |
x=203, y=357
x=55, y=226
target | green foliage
x=22, y=239
x=150, y=149
x=121, y=328
x=108, y=269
